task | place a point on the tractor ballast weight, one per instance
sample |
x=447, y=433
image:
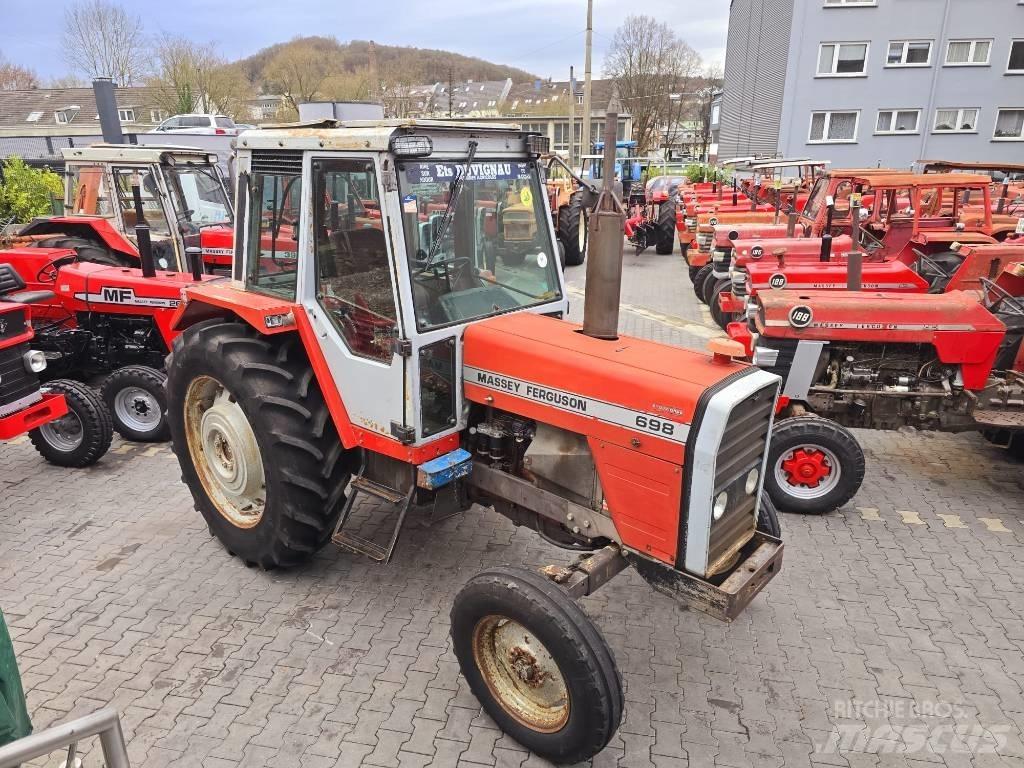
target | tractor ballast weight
x=412, y=370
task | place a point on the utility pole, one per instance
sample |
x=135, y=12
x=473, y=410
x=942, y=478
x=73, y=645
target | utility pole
x=451, y=85
x=572, y=118
x=585, y=137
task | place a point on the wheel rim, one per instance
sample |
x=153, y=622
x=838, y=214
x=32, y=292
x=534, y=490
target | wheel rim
x=582, y=234
x=225, y=453
x=521, y=673
x=137, y=409
x=808, y=471
x=65, y=434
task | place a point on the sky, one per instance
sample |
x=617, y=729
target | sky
x=541, y=36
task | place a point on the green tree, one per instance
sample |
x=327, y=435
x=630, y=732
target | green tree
x=26, y=192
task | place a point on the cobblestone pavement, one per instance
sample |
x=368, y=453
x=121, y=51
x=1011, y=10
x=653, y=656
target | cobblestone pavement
x=893, y=636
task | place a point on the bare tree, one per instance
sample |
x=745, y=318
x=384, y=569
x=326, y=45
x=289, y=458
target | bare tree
x=299, y=72
x=193, y=77
x=101, y=39
x=650, y=64
x=702, y=108
x=16, y=78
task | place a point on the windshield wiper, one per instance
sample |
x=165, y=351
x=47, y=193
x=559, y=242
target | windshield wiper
x=449, y=209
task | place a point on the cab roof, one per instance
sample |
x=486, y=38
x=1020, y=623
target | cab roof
x=954, y=165
x=903, y=179
x=133, y=153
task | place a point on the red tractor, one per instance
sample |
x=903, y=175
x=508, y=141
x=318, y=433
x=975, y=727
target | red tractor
x=66, y=421
x=883, y=360
x=652, y=215
x=399, y=362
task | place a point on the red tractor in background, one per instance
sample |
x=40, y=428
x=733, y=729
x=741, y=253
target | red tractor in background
x=881, y=360
x=66, y=421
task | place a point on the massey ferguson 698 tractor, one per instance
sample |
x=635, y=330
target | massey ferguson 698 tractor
x=950, y=362
x=397, y=361
x=65, y=420
x=183, y=197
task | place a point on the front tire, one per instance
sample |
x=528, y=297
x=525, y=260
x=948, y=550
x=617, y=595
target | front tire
x=572, y=230
x=257, y=446
x=137, y=400
x=719, y=315
x=80, y=438
x=708, y=287
x=814, y=465
x=698, y=281
x=537, y=663
x=665, y=238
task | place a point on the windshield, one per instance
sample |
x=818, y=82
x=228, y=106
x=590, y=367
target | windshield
x=199, y=198
x=496, y=253
x=815, y=200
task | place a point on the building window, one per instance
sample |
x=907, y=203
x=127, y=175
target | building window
x=1016, y=63
x=893, y=121
x=66, y=115
x=968, y=53
x=840, y=3
x=833, y=127
x=157, y=115
x=126, y=115
x=842, y=59
x=956, y=121
x=909, y=53
x=33, y=117
x=1009, y=125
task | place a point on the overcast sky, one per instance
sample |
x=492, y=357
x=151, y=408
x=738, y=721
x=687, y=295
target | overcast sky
x=540, y=36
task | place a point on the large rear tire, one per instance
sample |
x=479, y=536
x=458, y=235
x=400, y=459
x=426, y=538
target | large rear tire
x=537, y=663
x=256, y=444
x=80, y=438
x=814, y=465
x=87, y=250
x=137, y=399
x=665, y=237
x=720, y=316
x=572, y=230
x=698, y=281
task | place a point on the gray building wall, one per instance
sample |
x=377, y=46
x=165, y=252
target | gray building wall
x=756, y=58
x=926, y=88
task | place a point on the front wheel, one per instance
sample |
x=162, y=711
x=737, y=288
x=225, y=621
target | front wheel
x=719, y=315
x=257, y=446
x=698, y=281
x=83, y=435
x=572, y=230
x=137, y=401
x=537, y=663
x=814, y=465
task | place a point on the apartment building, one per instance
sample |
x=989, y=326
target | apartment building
x=868, y=83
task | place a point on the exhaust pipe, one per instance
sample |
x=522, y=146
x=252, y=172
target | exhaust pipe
x=826, y=239
x=142, y=231
x=604, y=255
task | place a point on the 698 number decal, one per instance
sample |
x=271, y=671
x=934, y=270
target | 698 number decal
x=656, y=425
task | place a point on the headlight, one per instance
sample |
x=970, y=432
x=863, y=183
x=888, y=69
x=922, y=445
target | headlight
x=721, y=501
x=751, y=485
x=34, y=360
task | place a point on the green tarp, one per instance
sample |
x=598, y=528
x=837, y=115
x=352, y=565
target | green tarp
x=14, y=722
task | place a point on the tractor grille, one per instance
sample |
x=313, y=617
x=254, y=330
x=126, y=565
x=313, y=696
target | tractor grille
x=739, y=282
x=704, y=240
x=742, y=450
x=691, y=222
x=775, y=355
x=12, y=324
x=17, y=385
x=721, y=258
x=279, y=163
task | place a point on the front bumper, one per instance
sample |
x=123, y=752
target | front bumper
x=51, y=406
x=726, y=600
x=730, y=304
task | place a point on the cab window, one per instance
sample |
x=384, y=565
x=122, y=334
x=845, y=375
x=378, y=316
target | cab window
x=152, y=206
x=354, y=284
x=87, y=193
x=273, y=243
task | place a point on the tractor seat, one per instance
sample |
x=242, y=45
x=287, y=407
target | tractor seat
x=12, y=288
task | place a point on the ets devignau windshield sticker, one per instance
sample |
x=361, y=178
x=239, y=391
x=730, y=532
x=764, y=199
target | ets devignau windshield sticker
x=432, y=173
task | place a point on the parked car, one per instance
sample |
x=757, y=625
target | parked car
x=220, y=125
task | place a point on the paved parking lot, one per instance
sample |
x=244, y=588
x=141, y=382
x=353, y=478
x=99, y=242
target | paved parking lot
x=893, y=636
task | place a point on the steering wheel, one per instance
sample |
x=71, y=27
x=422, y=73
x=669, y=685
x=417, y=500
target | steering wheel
x=48, y=272
x=937, y=268
x=1015, y=305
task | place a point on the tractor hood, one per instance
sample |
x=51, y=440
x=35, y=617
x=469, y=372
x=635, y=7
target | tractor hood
x=810, y=274
x=217, y=243
x=706, y=222
x=726, y=233
x=630, y=392
x=776, y=250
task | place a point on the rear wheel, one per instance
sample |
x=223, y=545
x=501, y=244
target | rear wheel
x=698, y=280
x=720, y=316
x=83, y=435
x=256, y=444
x=665, y=236
x=137, y=401
x=814, y=465
x=537, y=663
x=710, y=281
x=87, y=250
x=572, y=230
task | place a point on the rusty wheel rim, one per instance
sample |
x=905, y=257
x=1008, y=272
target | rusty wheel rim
x=224, y=452
x=521, y=673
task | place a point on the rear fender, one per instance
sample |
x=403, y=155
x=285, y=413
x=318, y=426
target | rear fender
x=91, y=227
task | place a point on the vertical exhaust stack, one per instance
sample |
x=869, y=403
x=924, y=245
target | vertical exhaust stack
x=855, y=261
x=106, y=108
x=142, y=237
x=604, y=256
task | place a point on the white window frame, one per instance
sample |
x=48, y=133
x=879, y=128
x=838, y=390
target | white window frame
x=61, y=116
x=853, y=4
x=959, y=119
x=126, y=114
x=974, y=45
x=1013, y=41
x=828, y=121
x=999, y=111
x=906, y=47
x=892, y=122
x=835, y=59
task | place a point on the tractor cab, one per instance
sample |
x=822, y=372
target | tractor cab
x=184, y=202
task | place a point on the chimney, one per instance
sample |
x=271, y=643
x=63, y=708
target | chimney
x=106, y=108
